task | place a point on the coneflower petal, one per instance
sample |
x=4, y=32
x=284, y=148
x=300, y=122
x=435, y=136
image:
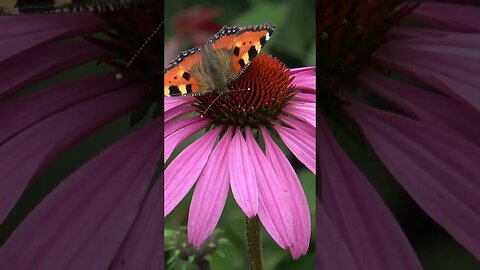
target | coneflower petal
x=299, y=125
x=172, y=102
x=272, y=196
x=17, y=114
x=448, y=16
x=332, y=253
x=302, y=110
x=98, y=201
x=428, y=107
x=295, y=197
x=44, y=60
x=176, y=133
x=141, y=249
x=210, y=193
x=375, y=239
x=303, y=147
x=438, y=170
x=305, y=79
x=24, y=156
x=177, y=112
x=185, y=169
x=242, y=175
x=20, y=33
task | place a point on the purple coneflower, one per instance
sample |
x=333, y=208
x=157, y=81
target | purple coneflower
x=280, y=102
x=412, y=91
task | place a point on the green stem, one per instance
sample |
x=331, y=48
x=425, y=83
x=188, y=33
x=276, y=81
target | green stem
x=254, y=243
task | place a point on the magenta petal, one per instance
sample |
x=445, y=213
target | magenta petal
x=303, y=147
x=142, y=248
x=172, y=102
x=305, y=97
x=429, y=107
x=448, y=16
x=305, y=79
x=83, y=222
x=210, y=193
x=242, y=175
x=332, y=253
x=273, y=209
x=302, y=110
x=371, y=232
x=438, y=170
x=25, y=155
x=42, y=61
x=299, y=125
x=19, y=113
x=295, y=197
x=185, y=169
x=176, y=133
x=177, y=112
x=20, y=33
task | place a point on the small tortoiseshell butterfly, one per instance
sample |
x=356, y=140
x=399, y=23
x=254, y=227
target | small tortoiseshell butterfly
x=211, y=67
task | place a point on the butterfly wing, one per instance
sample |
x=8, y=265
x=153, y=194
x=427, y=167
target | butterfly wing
x=178, y=78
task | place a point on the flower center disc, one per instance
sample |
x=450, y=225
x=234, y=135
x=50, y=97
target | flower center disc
x=255, y=98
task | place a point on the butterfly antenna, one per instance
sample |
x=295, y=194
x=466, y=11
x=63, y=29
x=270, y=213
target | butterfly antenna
x=210, y=105
x=118, y=76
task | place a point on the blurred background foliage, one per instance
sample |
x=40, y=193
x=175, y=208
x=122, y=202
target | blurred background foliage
x=190, y=23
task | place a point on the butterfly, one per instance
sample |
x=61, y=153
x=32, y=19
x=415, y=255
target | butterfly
x=209, y=68
x=55, y=6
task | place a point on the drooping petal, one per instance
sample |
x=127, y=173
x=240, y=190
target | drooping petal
x=20, y=33
x=306, y=97
x=295, y=197
x=372, y=234
x=429, y=107
x=305, y=79
x=303, y=147
x=273, y=210
x=176, y=133
x=299, y=125
x=16, y=114
x=177, y=112
x=438, y=170
x=97, y=202
x=302, y=110
x=172, y=102
x=242, y=175
x=185, y=169
x=42, y=61
x=448, y=16
x=24, y=156
x=143, y=246
x=210, y=193
x=332, y=253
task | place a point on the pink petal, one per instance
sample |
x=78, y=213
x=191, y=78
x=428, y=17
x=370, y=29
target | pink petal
x=17, y=114
x=242, y=175
x=185, y=169
x=302, y=110
x=431, y=108
x=172, y=102
x=177, y=112
x=176, y=133
x=83, y=222
x=210, y=193
x=371, y=232
x=20, y=33
x=303, y=147
x=305, y=79
x=332, y=252
x=448, y=16
x=306, y=97
x=295, y=196
x=438, y=170
x=299, y=125
x=26, y=154
x=142, y=248
x=42, y=61
x=273, y=207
